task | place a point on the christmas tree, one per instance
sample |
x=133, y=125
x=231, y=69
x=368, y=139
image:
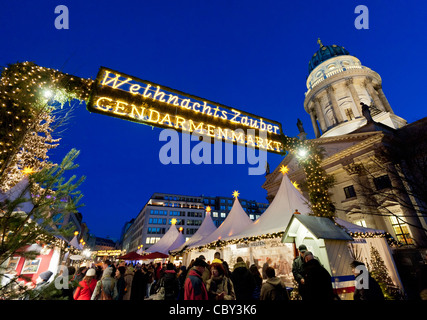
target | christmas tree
x=379, y=272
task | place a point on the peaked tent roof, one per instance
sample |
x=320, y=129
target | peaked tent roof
x=179, y=241
x=279, y=213
x=236, y=221
x=166, y=241
x=205, y=229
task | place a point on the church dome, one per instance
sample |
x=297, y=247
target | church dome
x=324, y=53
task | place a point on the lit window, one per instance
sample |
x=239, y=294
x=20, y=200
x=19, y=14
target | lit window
x=215, y=214
x=349, y=114
x=361, y=223
x=401, y=230
x=223, y=215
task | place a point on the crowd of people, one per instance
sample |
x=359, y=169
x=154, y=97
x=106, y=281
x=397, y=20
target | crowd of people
x=203, y=280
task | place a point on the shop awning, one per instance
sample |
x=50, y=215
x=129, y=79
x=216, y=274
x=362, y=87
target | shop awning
x=154, y=255
x=131, y=256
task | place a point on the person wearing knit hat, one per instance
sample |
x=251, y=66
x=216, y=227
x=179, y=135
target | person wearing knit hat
x=91, y=272
x=45, y=276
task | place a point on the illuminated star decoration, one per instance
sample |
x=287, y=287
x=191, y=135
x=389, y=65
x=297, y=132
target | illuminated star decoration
x=173, y=221
x=208, y=209
x=284, y=169
x=296, y=185
x=27, y=171
x=236, y=194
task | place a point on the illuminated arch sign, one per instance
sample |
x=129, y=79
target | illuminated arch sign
x=126, y=97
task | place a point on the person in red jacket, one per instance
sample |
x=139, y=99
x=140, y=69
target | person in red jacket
x=86, y=286
x=194, y=288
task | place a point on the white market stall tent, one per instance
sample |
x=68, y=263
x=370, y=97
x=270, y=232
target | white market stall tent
x=171, y=240
x=236, y=222
x=206, y=228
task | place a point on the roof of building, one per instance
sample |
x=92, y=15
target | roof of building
x=324, y=53
x=320, y=227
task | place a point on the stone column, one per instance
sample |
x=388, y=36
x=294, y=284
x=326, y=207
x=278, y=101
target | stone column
x=335, y=108
x=374, y=95
x=353, y=92
x=384, y=100
x=320, y=115
x=314, y=124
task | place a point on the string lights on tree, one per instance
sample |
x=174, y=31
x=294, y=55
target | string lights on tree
x=28, y=116
x=309, y=157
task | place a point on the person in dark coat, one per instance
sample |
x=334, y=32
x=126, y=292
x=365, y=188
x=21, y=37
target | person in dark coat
x=264, y=268
x=257, y=281
x=318, y=283
x=170, y=282
x=121, y=283
x=243, y=280
x=298, y=269
x=139, y=284
x=372, y=291
x=273, y=289
x=182, y=275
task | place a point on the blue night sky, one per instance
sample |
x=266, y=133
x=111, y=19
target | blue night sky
x=251, y=55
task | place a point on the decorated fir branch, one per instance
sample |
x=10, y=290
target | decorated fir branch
x=317, y=181
x=27, y=113
x=20, y=229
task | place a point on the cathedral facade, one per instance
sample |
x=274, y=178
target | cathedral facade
x=375, y=156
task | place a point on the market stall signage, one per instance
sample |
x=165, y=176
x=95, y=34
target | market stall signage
x=119, y=95
x=109, y=252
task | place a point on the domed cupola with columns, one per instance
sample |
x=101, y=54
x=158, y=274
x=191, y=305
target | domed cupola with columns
x=337, y=84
